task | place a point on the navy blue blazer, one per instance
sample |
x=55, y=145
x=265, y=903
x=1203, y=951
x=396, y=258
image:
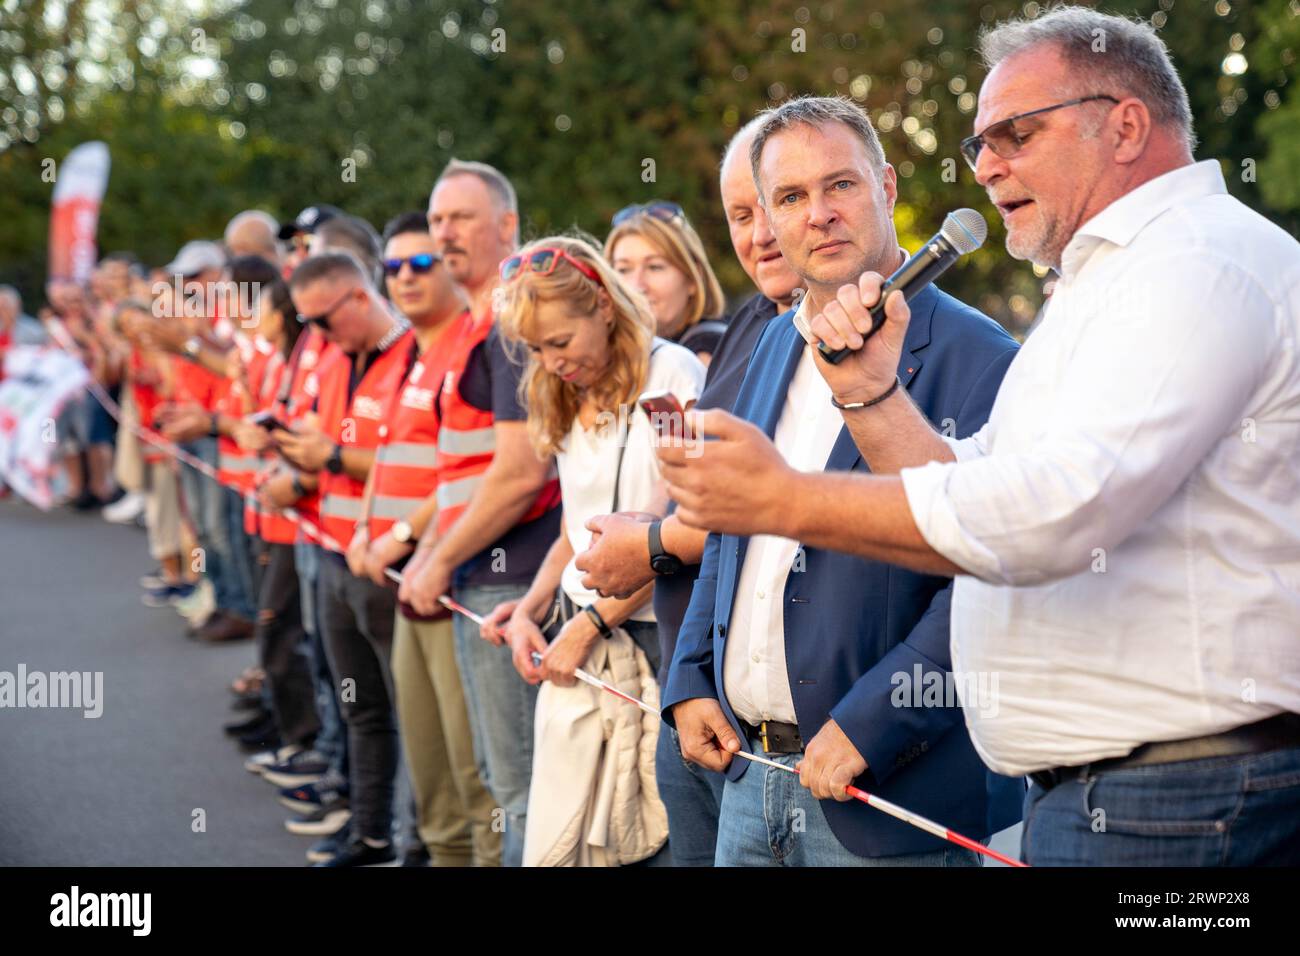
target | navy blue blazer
x=851, y=625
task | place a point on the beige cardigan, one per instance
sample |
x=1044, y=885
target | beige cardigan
x=593, y=799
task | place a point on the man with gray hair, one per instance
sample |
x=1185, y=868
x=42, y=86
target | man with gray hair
x=16, y=326
x=1124, y=530
x=796, y=652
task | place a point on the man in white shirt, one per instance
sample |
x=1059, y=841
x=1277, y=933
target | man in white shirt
x=1125, y=529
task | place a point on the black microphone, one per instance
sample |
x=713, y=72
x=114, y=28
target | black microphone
x=963, y=231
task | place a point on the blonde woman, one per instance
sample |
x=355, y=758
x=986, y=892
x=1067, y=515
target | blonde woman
x=657, y=252
x=591, y=351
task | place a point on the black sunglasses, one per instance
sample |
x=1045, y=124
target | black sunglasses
x=322, y=321
x=1004, y=139
x=659, y=209
x=419, y=264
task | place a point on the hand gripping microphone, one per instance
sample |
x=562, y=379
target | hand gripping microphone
x=963, y=231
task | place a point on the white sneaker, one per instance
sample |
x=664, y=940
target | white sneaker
x=259, y=762
x=198, y=606
x=125, y=510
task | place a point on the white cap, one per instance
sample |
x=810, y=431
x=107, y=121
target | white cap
x=196, y=257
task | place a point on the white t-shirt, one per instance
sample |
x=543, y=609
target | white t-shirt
x=588, y=460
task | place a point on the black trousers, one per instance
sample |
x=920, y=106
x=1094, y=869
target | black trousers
x=357, y=627
x=281, y=643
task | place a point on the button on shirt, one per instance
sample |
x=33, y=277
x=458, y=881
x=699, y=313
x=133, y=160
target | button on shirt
x=753, y=671
x=1130, y=515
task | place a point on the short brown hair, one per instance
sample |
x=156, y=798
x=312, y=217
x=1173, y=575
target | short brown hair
x=816, y=111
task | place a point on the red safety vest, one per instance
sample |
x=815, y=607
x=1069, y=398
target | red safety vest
x=466, y=440
x=354, y=423
x=404, y=469
x=262, y=367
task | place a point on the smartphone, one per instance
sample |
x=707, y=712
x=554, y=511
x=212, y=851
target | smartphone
x=665, y=412
x=268, y=421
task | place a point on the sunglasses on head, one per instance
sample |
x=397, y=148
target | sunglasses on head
x=543, y=262
x=659, y=209
x=1004, y=139
x=419, y=264
x=322, y=321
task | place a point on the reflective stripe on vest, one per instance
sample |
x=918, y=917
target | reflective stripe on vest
x=475, y=441
x=456, y=494
x=407, y=453
x=337, y=506
x=392, y=508
x=239, y=463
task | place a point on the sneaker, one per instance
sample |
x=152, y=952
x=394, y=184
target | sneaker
x=324, y=821
x=259, y=762
x=300, y=767
x=311, y=796
x=360, y=853
x=154, y=579
x=200, y=605
x=330, y=847
x=166, y=596
x=125, y=509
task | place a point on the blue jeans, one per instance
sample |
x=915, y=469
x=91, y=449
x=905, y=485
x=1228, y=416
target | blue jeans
x=332, y=740
x=241, y=548
x=693, y=798
x=501, y=707
x=769, y=819
x=1222, y=811
x=205, y=501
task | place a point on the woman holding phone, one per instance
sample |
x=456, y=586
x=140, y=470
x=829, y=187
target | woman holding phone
x=591, y=351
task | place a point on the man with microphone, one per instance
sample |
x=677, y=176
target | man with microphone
x=1124, y=529
x=798, y=653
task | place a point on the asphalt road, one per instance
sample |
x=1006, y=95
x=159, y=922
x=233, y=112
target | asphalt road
x=121, y=789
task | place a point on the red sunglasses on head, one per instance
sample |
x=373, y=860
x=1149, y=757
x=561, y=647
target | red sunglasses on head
x=543, y=262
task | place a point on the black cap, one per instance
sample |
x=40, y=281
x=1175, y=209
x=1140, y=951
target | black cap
x=309, y=219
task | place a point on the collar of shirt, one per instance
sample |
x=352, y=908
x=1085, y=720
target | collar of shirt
x=801, y=321
x=1122, y=220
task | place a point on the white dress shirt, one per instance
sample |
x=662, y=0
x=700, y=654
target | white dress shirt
x=753, y=665
x=1130, y=515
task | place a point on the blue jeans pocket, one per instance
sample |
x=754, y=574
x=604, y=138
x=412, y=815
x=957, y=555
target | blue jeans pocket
x=1193, y=798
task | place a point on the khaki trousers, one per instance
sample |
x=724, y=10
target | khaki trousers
x=454, y=811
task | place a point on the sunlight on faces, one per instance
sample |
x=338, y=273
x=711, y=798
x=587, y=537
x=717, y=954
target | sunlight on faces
x=1055, y=172
x=751, y=237
x=831, y=215
x=418, y=295
x=567, y=344
x=470, y=231
x=667, y=289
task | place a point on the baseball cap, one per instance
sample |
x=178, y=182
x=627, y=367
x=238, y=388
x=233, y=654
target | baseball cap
x=309, y=219
x=195, y=257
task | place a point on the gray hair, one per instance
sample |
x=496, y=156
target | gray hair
x=746, y=131
x=1136, y=60
x=816, y=111
x=264, y=219
x=498, y=185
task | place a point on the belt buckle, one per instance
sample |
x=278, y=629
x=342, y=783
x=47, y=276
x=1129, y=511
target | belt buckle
x=762, y=733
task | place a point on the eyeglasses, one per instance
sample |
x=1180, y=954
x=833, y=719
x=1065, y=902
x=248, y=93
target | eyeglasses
x=543, y=262
x=322, y=321
x=1004, y=139
x=659, y=209
x=419, y=264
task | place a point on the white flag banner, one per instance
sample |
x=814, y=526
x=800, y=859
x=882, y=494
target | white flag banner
x=38, y=382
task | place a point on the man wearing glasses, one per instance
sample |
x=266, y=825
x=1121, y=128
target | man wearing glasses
x=1124, y=530
x=356, y=384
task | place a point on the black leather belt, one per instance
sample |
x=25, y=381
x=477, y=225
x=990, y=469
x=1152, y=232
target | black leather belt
x=1273, y=733
x=776, y=737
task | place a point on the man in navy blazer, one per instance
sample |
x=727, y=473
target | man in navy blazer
x=829, y=663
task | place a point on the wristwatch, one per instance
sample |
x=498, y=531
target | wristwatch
x=334, y=463
x=403, y=532
x=661, y=562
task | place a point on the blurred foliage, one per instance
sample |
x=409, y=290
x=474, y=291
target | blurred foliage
x=211, y=106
